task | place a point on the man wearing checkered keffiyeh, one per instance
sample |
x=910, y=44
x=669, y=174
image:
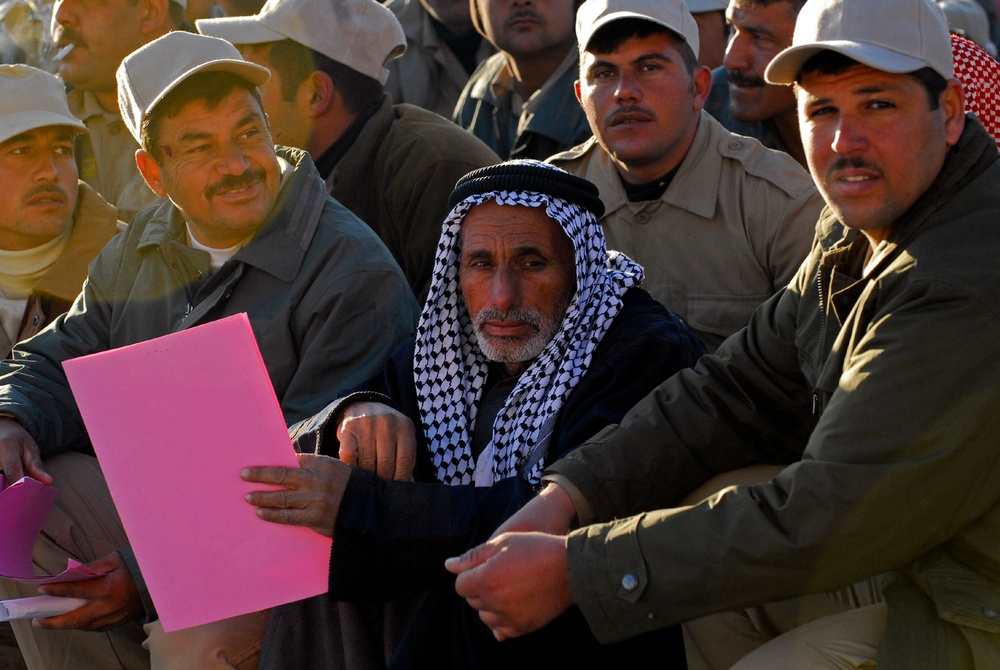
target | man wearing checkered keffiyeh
x=450, y=369
x=612, y=346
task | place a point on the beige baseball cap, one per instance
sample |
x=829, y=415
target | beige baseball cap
x=31, y=98
x=890, y=35
x=701, y=6
x=671, y=14
x=150, y=72
x=361, y=34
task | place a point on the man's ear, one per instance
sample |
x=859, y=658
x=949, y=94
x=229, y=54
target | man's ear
x=576, y=88
x=155, y=18
x=316, y=94
x=953, y=108
x=702, y=83
x=150, y=170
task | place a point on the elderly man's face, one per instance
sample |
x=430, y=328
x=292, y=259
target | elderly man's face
x=529, y=29
x=873, y=142
x=517, y=277
x=759, y=32
x=218, y=166
x=39, y=177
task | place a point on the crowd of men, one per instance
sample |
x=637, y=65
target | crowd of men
x=638, y=333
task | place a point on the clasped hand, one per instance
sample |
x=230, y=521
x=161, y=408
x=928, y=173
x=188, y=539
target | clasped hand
x=372, y=437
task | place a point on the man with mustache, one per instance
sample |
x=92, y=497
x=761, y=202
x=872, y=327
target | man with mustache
x=520, y=101
x=718, y=222
x=92, y=39
x=740, y=98
x=51, y=224
x=532, y=336
x=874, y=373
x=392, y=165
x=242, y=229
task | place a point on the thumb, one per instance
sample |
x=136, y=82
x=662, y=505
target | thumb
x=472, y=558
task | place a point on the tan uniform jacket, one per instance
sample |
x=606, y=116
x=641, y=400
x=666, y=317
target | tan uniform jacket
x=730, y=230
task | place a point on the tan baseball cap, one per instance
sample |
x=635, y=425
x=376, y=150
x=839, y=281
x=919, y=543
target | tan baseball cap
x=361, y=34
x=31, y=98
x=150, y=72
x=701, y=6
x=671, y=14
x=890, y=35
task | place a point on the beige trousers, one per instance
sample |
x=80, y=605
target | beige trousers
x=827, y=630
x=84, y=525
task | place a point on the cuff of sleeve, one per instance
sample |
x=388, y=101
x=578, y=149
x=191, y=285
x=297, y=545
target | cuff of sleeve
x=140, y=583
x=307, y=435
x=608, y=577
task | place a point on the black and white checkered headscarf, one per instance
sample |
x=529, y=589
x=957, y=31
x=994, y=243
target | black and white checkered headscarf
x=450, y=370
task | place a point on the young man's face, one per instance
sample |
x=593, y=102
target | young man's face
x=39, y=187
x=517, y=275
x=289, y=126
x=218, y=166
x=526, y=29
x=102, y=33
x=759, y=32
x=642, y=104
x=873, y=143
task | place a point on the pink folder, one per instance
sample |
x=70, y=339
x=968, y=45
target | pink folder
x=173, y=421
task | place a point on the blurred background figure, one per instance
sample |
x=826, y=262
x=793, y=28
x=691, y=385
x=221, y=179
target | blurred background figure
x=713, y=30
x=443, y=49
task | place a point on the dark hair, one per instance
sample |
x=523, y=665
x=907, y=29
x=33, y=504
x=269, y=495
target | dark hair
x=795, y=6
x=295, y=62
x=208, y=87
x=832, y=62
x=611, y=36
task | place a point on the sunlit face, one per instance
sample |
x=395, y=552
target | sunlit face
x=288, y=126
x=517, y=277
x=218, y=167
x=873, y=143
x=102, y=33
x=642, y=104
x=759, y=32
x=528, y=28
x=38, y=178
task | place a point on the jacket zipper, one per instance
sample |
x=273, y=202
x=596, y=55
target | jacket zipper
x=177, y=278
x=822, y=331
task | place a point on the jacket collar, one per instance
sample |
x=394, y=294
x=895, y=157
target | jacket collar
x=95, y=222
x=689, y=190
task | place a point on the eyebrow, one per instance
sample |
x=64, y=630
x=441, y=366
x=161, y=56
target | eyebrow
x=195, y=135
x=652, y=55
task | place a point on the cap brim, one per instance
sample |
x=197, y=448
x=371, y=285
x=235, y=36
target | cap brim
x=251, y=72
x=238, y=30
x=785, y=67
x=21, y=122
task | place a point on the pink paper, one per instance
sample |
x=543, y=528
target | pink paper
x=173, y=421
x=23, y=508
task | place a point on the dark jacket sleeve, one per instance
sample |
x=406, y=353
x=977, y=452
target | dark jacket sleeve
x=393, y=537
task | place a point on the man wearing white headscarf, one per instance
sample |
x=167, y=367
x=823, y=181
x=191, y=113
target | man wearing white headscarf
x=532, y=337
